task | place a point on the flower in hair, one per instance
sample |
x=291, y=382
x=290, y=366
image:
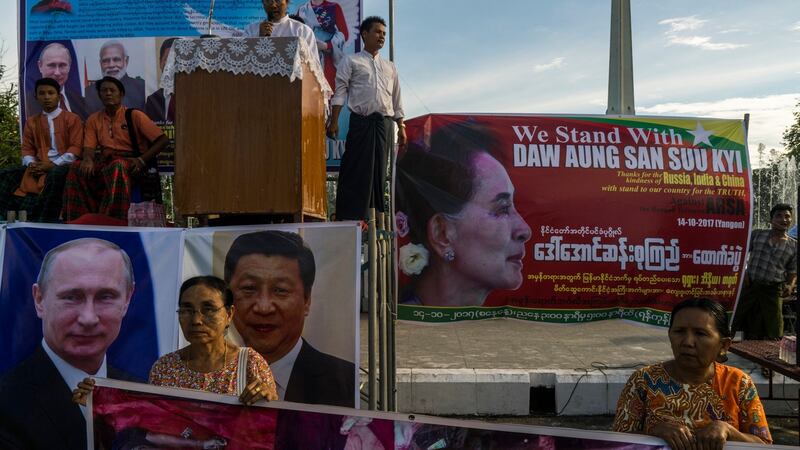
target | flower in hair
x=413, y=258
x=401, y=221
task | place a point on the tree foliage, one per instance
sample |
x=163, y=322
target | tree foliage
x=9, y=124
x=774, y=181
x=791, y=137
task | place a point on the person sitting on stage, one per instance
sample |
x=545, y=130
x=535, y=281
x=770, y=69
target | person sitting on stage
x=693, y=401
x=51, y=141
x=210, y=362
x=102, y=183
x=279, y=24
x=458, y=203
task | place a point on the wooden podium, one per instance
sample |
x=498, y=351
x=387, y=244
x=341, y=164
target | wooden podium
x=250, y=143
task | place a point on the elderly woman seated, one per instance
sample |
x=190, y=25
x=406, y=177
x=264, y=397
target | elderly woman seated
x=693, y=401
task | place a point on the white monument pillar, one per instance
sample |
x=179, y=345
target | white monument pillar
x=620, y=62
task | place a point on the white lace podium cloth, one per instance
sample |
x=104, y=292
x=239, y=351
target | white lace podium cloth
x=262, y=56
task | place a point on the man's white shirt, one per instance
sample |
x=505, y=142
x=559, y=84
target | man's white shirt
x=282, y=368
x=288, y=27
x=368, y=84
x=72, y=375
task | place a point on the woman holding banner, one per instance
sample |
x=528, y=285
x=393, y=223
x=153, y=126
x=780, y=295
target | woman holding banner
x=693, y=401
x=209, y=363
x=456, y=201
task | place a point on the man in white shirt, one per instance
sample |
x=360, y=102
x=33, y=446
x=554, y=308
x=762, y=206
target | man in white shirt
x=81, y=295
x=279, y=24
x=371, y=87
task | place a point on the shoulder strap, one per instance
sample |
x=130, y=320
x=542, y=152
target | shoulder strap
x=132, y=131
x=241, y=372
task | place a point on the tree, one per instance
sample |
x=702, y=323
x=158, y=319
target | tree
x=791, y=137
x=9, y=124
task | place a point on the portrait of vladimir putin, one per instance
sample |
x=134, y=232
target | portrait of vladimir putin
x=55, y=61
x=81, y=295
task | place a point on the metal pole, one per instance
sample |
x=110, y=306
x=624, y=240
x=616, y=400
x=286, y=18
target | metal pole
x=620, y=61
x=391, y=30
x=388, y=370
x=373, y=309
x=210, y=15
x=392, y=299
x=392, y=288
x=384, y=309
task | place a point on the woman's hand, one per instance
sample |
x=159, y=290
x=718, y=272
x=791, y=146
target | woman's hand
x=81, y=393
x=255, y=391
x=678, y=436
x=713, y=435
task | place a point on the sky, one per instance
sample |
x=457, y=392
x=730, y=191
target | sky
x=711, y=58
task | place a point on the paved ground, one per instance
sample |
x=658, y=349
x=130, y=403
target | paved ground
x=513, y=345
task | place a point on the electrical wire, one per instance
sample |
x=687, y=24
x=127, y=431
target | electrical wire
x=414, y=93
x=595, y=366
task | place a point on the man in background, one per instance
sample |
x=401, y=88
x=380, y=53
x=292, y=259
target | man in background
x=114, y=61
x=771, y=275
x=81, y=295
x=161, y=108
x=55, y=61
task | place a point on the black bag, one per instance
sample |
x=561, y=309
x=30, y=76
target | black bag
x=149, y=180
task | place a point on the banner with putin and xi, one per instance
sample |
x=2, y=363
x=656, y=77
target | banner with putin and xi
x=79, y=301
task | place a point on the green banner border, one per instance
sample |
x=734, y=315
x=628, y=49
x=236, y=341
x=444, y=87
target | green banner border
x=431, y=314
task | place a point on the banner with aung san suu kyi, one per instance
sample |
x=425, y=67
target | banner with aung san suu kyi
x=569, y=219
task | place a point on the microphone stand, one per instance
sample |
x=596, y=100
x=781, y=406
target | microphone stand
x=210, y=16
